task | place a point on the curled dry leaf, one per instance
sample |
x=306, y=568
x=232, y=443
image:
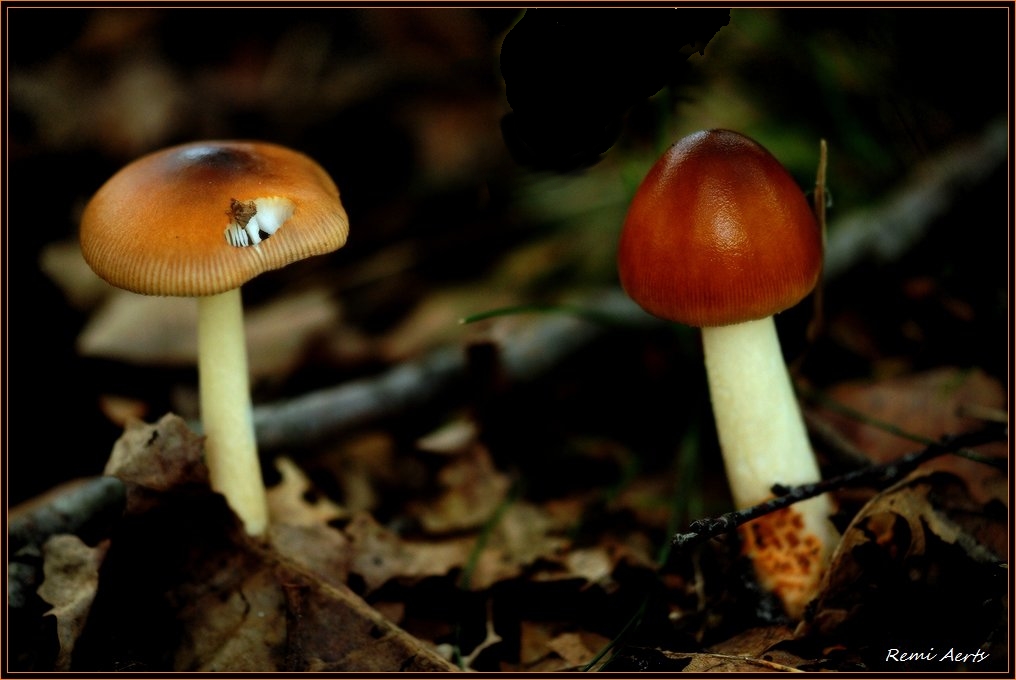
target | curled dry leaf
x=473, y=495
x=155, y=458
x=159, y=456
x=909, y=574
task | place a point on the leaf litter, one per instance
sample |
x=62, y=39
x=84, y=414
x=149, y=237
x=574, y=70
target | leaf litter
x=334, y=589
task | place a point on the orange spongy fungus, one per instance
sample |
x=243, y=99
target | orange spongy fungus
x=788, y=559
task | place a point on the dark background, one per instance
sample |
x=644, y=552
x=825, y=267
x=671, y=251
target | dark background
x=410, y=112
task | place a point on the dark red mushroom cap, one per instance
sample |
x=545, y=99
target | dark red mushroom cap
x=718, y=233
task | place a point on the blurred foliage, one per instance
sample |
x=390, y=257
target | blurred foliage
x=406, y=108
x=569, y=88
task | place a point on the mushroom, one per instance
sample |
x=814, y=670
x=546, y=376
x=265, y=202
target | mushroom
x=200, y=220
x=719, y=236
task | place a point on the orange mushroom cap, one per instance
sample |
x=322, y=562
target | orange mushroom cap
x=158, y=226
x=718, y=233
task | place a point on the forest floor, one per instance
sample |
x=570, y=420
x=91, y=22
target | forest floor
x=477, y=450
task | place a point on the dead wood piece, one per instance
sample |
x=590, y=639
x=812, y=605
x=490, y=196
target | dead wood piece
x=64, y=510
x=889, y=229
x=526, y=348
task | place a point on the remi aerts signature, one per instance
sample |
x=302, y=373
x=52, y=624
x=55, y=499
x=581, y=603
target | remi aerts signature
x=953, y=654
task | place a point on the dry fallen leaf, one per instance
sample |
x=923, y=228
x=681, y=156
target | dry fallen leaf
x=472, y=489
x=576, y=649
x=379, y=555
x=150, y=330
x=553, y=646
x=259, y=612
x=233, y=618
x=185, y=589
x=523, y=535
x=71, y=571
x=301, y=529
x=930, y=404
x=288, y=500
x=759, y=645
x=330, y=629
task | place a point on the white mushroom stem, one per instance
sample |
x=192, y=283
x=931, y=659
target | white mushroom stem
x=226, y=413
x=763, y=438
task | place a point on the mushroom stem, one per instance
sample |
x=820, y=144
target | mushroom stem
x=226, y=413
x=764, y=442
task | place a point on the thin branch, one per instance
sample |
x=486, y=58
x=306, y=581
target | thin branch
x=875, y=475
x=66, y=509
x=533, y=345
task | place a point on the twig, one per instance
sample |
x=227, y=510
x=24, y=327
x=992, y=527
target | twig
x=876, y=475
x=749, y=660
x=535, y=345
x=311, y=418
x=76, y=507
x=819, y=204
x=66, y=509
